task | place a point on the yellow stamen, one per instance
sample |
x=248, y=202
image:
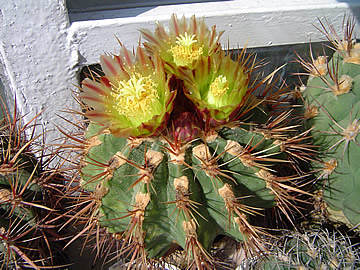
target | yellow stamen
x=186, y=40
x=134, y=98
x=186, y=50
x=219, y=86
x=217, y=95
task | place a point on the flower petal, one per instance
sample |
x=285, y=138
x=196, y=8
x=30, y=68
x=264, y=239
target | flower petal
x=133, y=98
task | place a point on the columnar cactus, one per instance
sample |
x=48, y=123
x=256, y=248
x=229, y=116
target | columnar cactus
x=180, y=149
x=332, y=100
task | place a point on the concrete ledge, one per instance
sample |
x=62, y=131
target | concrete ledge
x=258, y=23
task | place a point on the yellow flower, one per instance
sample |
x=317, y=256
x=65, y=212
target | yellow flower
x=133, y=98
x=183, y=43
x=186, y=50
x=217, y=87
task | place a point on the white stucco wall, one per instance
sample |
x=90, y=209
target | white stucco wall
x=42, y=51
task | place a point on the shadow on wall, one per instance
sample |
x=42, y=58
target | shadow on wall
x=2, y=96
x=2, y=91
x=80, y=10
x=354, y=5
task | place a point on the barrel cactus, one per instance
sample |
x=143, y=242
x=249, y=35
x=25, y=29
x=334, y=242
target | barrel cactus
x=28, y=195
x=175, y=153
x=315, y=248
x=332, y=102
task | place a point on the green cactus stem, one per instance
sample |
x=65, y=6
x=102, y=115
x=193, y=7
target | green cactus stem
x=332, y=100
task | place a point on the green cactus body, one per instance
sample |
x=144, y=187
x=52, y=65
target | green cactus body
x=332, y=101
x=152, y=192
x=314, y=249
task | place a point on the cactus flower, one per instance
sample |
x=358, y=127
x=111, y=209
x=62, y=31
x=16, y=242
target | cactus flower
x=133, y=98
x=186, y=127
x=217, y=87
x=184, y=43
